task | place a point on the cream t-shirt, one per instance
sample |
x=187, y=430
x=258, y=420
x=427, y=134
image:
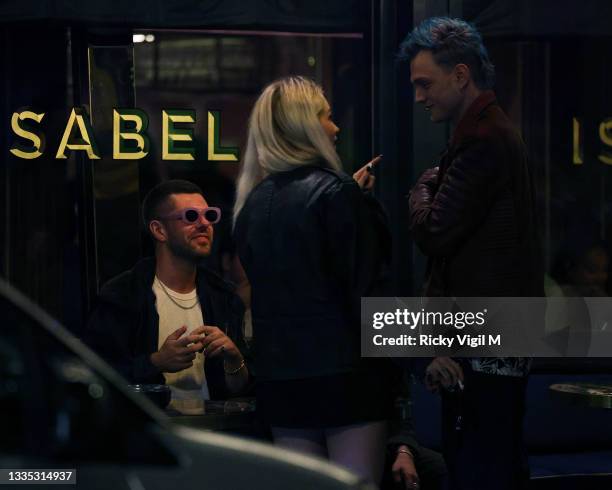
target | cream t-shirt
x=188, y=387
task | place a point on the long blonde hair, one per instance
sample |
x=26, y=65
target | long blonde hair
x=284, y=133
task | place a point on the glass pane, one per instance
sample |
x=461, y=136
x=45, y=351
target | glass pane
x=115, y=181
x=555, y=91
x=225, y=72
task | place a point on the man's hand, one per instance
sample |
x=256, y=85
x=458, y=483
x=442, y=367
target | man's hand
x=422, y=194
x=216, y=343
x=429, y=178
x=178, y=352
x=404, y=471
x=364, y=176
x=443, y=371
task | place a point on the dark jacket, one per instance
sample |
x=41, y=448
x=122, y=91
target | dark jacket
x=312, y=244
x=124, y=327
x=475, y=217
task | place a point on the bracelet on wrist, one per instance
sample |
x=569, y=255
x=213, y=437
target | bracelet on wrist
x=233, y=371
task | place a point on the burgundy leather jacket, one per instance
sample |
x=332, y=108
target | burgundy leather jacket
x=474, y=216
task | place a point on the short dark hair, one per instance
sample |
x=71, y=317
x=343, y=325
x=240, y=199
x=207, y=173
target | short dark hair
x=451, y=42
x=157, y=196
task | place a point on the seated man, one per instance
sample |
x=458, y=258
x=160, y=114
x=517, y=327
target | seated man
x=169, y=319
x=412, y=466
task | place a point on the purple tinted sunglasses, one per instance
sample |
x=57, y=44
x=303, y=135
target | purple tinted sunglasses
x=191, y=215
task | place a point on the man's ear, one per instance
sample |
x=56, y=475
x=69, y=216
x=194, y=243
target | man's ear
x=462, y=75
x=157, y=230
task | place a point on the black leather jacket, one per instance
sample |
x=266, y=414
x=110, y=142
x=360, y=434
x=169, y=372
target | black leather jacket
x=312, y=244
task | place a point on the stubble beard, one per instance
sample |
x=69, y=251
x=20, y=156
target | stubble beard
x=188, y=253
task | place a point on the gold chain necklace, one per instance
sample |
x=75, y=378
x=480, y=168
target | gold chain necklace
x=170, y=297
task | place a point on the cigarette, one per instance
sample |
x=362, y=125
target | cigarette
x=460, y=384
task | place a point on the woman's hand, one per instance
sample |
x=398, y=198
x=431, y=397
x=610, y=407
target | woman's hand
x=364, y=176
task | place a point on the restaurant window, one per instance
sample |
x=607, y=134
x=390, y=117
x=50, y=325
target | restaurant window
x=39, y=239
x=71, y=224
x=555, y=90
x=225, y=71
x=553, y=75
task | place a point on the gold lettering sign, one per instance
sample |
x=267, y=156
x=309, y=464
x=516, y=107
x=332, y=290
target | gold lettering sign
x=577, y=136
x=84, y=142
x=37, y=140
x=215, y=151
x=130, y=139
x=605, y=135
x=172, y=135
x=121, y=136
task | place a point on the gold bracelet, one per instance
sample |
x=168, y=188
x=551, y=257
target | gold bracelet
x=234, y=371
x=405, y=451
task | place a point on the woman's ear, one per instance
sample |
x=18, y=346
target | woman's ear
x=158, y=231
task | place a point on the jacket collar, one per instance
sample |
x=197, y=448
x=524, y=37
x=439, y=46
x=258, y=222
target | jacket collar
x=469, y=122
x=131, y=289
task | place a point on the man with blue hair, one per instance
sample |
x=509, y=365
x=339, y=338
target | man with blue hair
x=473, y=216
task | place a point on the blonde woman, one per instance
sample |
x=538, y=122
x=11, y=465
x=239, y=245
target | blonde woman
x=311, y=243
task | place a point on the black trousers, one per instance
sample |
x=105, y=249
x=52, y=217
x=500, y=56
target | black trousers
x=482, y=431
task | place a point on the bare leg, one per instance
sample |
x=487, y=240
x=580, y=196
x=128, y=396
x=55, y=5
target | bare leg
x=307, y=441
x=359, y=447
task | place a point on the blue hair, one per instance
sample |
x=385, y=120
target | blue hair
x=451, y=41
